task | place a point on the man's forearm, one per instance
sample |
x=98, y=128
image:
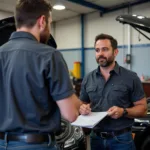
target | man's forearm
x=137, y=111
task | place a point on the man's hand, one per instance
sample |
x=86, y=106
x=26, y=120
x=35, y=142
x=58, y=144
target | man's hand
x=85, y=109
x=115, y=112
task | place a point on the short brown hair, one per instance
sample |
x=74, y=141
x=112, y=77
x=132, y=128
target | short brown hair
x=28, y=11
x=113, y=41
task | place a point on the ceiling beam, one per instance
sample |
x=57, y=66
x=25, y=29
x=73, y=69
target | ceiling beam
x=125, y=5
x=88, y=4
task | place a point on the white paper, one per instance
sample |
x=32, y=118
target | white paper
x=90, y=120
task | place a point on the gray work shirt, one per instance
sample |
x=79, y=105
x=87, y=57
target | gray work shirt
x=33, y=76
x=122, y=89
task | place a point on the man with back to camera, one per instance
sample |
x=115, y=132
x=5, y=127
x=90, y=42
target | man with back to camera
x=35, y=88
x=116, y=90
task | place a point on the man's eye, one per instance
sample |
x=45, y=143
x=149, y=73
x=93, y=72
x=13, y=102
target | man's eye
x=97, y=50
x=105, y=49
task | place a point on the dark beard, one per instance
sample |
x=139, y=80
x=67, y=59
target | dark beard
x=44, y=39
x=106, y=62
x=44, y=36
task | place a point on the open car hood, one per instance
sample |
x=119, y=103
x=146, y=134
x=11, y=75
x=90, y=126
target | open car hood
x=7, y=26
x=138, y=22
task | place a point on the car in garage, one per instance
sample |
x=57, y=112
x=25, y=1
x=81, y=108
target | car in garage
x=141, y=127
x=70, y=137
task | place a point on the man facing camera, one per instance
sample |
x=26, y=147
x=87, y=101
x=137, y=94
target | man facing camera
x=116, y=90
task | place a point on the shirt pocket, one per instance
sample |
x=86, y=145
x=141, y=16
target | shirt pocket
x=120, y=89
x=95, y=96
x=119, y=96
x=94, y=93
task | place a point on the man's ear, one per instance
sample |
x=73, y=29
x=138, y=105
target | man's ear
x=116, y=52
x=42, y=22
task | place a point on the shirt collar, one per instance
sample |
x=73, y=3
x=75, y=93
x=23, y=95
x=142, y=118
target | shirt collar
x=116, y=69
x=22, y=34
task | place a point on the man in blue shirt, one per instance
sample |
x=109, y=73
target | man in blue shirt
x=35, y=87
x=116, y=90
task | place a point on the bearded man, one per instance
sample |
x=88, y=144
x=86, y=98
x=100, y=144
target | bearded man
x=116, y=90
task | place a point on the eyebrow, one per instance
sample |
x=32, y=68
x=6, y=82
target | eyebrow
x=101, y=47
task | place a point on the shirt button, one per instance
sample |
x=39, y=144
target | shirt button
x=112, y=84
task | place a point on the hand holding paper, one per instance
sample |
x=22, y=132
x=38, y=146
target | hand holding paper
x=90, y=120
x=85, y=109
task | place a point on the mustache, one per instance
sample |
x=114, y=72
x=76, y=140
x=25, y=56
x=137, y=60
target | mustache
x=101, y=57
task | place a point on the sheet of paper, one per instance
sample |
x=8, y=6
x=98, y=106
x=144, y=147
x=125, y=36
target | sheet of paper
x=89, y=121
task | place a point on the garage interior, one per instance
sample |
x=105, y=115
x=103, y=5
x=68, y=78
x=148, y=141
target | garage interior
x=78, y=24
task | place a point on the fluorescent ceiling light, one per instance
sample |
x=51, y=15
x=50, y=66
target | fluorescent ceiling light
x=141, y=17
x=134, y=15
x=121, y=18
x=59, y=7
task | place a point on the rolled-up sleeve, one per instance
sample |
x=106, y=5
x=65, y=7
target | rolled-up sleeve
x=60, y=85
x=137, y=91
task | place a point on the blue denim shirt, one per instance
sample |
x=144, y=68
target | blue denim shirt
x=122, y=89
x=33, y=76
